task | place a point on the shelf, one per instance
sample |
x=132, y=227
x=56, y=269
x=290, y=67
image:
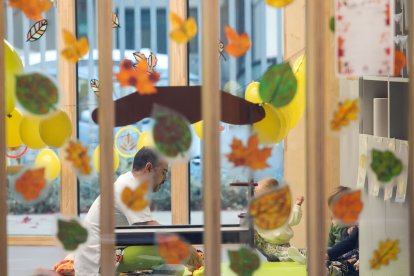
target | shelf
x=388, y=79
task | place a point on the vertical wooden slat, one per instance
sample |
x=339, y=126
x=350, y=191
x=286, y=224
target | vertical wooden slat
x=178, y=76
x=3, y=176
x=211, y=107
x=106, y=126
x=410, y=195
x=67, y=83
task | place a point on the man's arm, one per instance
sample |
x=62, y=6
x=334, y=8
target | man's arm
x=147, y=223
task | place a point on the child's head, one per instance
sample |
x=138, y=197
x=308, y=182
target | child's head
x=265, y=185
x=336, y=193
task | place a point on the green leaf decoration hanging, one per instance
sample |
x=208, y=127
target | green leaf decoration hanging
x=36, y=93
x=172, y=133
x=385, y=165
x=243, y=261
x=71, y=234
x=278, y=85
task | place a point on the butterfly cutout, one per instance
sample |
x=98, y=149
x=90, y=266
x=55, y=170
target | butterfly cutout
x=95, y=86
x=221, y=50
x=173, y=249
x=151, y=60
x=75, y=49
x=385, y=165
x=271, y=210
x=37, y=30
x=115, y=21
x=77, y=154
x=182, y=31
x=250, y=156
x=400, y=61
x=238, y=44
x=388, y=250
x=278, y=3
x=348, y=207
x=347, y=112
x=135, y=199
x=244, y=261
x=71, y=234
x=31, y=184
x=137, y=77
x=33, y=9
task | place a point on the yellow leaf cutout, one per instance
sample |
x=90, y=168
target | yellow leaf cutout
x=387, y=252
x=135, y=199
x=75, y=49
x=271, y=210
x=173, y=249
x=278, y=3
x=77, y=154
x=347, y=111
x=182, y=30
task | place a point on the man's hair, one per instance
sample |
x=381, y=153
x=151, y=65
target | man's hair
x=337, y=192
x=144, y=156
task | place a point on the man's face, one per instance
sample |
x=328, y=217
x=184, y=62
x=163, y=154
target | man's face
x=160, y=175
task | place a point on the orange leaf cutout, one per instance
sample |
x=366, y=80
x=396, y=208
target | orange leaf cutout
x=173, y=249
x=250, y=156
x=348, y=207
x=75, y=49
x=33, y=9
x=347, y=111
x=182, y=30
x=31, y=184
x=400, y=62
x=138, y=77
x=238, y=44
x=135, y=199
x=78, y=155
x=387, y=252
x=271, y=210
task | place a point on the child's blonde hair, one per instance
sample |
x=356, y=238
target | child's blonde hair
x=265, y=185
x=336, y=193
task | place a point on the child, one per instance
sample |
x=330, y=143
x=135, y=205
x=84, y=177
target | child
x=337, y=231
x=274, y=244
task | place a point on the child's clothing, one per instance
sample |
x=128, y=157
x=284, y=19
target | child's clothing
x=274, y=244
x=337, y=233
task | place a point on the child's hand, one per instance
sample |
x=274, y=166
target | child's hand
x=300, y=200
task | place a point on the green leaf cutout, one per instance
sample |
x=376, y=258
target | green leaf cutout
x=278, y=85
x=71, y=234
x=243, y=261
x=36, y=93
x=385, y=165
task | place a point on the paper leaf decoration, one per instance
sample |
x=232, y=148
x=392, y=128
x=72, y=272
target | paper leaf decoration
x=71, y=234
x=151, y=60
x=75, y=49
x=243, y=261
x=36, y=93
x=249, y=156
x=182, y=31
x=278, y=85
x=95, y=86
x=31, y=184
x=271, y=210
x=238, y=45
x=278, y=3
x=348, y=207
x=221, y=50
x=173, y=249
x=400, y=61
x=115, y=21
x=172, y=133
x=126, y=141
x=387, y=251
x=137, y=77
x=135, y=199
x=347, y=112
x=33, y=9
x=332, y=23
x=37, y=30
x=77, y=154
x=385, y=165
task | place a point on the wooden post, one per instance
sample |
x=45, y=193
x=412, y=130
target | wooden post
x=3, y=175
x=68, y=89
x=106, y=138
x=317, y=81
x=410, y=189
x=211, y=106
x=179, y=76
